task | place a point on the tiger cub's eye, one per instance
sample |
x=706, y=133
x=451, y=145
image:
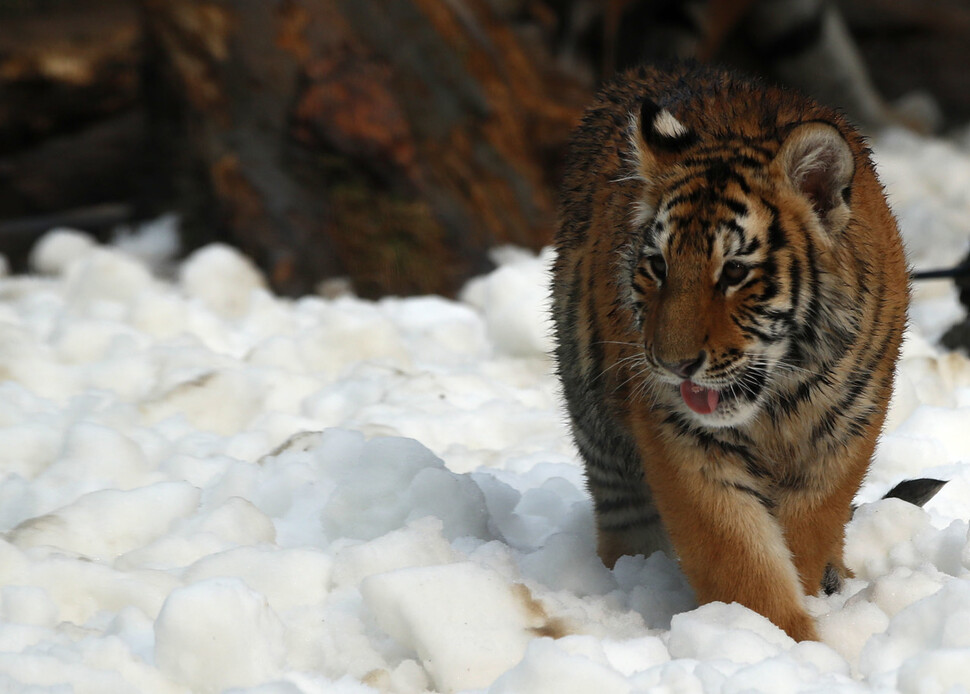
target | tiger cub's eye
x=658, y=266
x=733, y=273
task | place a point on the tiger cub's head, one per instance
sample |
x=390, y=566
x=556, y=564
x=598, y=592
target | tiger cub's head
x=731, y=268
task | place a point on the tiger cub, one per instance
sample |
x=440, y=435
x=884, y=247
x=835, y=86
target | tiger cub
x=729, y=298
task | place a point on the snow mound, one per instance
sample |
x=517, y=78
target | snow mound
x=205, y=487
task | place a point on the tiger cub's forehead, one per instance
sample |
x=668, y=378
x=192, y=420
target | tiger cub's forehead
x=732, y=225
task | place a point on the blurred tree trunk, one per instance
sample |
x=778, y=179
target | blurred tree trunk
x=389, y=141
x=72, y=128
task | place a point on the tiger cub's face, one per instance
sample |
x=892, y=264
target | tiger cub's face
x=726, y=273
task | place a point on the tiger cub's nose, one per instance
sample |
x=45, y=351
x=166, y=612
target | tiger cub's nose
x=686, y=368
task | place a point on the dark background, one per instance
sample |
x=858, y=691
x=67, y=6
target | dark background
x=392, y=142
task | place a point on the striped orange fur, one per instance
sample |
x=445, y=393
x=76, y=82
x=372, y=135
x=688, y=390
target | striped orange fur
x=729, y=299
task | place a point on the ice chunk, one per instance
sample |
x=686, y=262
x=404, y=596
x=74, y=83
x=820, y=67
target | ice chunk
x=397, y=480
x=721, y=631
x=27, y=605
x=222, y=278
x=515, y=301
x=419, y=544
x=550, y=668
x=934, y=624
x=102, y=283
x=568, y=562
x=849, y=629
x=465, y=622
x=218, y=633
x=938, y=671
x=880, y=535
x=107, y=523
x=288, y=578
x=57, y=249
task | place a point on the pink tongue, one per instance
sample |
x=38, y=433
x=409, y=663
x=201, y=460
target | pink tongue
x=698, y=398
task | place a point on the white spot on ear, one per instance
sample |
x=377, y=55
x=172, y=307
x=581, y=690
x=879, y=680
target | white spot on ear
x=666, y=125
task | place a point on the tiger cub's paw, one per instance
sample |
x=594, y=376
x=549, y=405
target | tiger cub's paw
x=834, y=577
x=800, y=626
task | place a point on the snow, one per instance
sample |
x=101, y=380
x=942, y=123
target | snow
x=206, y=488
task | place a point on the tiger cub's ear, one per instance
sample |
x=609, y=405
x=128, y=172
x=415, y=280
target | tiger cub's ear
x=661, y=131
x=657, y=137
x=818, y=163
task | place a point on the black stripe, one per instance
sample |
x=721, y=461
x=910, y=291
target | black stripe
x=858, y=381
x=764, y=500
x=857, y=426
x=618, y=483
x=650, y=234
x=747, y=162
x=792, y=480
x=776, y=235
x=682, y=220
x=753, y=245
x=752, y=331
x=595, y=345
x=718, y=173
x=728, y=157
x=701, y=167
x=779, y=316
x=768, y=272
x=795, y=283
x=741, y=453
x=618, y=504
x=731, y=149
x=734, y=228
x=790, y=402
x=626, y=525
x=736, y=206
x=825, y=427
x=691, y=198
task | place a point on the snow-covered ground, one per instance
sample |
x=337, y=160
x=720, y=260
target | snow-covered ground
x=206, y=487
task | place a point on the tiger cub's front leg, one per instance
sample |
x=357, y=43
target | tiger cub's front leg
x=813, y=514
x=731, y=547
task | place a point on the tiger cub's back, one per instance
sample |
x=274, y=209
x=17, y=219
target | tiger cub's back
x=729, y=297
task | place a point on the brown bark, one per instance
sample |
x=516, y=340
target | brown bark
x=391, y=141
x=71, y=129
x=63, y=69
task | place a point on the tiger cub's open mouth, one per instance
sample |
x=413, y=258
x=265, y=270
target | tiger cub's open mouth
x=698, y=398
